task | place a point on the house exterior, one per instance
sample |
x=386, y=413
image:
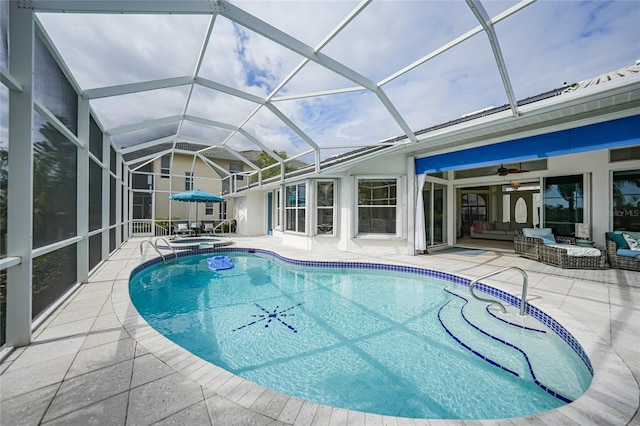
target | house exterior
x=585, y=136
x=212, y=170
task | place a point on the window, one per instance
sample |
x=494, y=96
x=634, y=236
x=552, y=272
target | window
x=474, y=207
x=143, y=179
x=626, y=200
x=223, y=210
x=208, y=208
x=325, y=204
x=165, y=166
x=237, y=168
x=188, y=181
x=377, y=201
x=563, y=203
x=624, y=154
x=295, y=208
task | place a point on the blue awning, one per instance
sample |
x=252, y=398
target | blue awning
x=610, y=134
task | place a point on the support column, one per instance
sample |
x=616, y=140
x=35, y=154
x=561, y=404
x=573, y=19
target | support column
x=83, y=192
x=106, y=181
x=118, y=200
x=452, y=213
x=412, y=191
x=20, y=188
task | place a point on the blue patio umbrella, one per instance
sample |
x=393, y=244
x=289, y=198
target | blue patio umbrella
x=196, y=196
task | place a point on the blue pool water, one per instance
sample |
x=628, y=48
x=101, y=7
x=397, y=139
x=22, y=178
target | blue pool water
x=373, y=340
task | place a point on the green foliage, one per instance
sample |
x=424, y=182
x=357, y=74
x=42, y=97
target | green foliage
x=165, y=222
x=265, y=160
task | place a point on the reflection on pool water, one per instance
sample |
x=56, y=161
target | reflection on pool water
x=366, y=338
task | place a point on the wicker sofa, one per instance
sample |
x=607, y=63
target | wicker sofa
x=617, y=261
x=535, y=248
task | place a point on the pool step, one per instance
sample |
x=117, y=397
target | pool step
x=520, y=344
x=480, y=344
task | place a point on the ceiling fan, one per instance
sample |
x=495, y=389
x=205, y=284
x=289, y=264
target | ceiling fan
x=503, y=171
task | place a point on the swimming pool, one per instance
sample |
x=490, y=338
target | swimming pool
x=396, y=344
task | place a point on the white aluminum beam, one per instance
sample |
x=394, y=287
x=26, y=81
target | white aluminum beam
x=396, y=114
x=214, y=166
x=260, y=144
x=191, y=7
x=317, y=94
x=147, y=159
x=517, y=7
x=20, y=178
x=82, y=193
x=144, y=125
x=243, y=18
x=241, y=157
x=482, y=16
x=56, y=55
x=292, y=125
x=145, y=86
x=53, y=120
x=149, y=144
x=207, y=122
x=228, y=90
x=8, y=80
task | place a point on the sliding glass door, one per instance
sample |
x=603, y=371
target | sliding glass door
x=435, y=213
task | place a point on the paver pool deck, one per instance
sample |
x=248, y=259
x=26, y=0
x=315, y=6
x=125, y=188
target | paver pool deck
x=94, y=360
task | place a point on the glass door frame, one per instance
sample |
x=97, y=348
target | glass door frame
x=429, y=192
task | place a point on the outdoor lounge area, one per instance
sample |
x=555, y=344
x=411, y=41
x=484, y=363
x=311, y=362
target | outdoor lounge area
x=619, y=255
x=543, y=246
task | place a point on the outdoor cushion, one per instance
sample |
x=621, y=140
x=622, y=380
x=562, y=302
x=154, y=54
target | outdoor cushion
x=536, y=232
x=578, y=251
x=182, y=227
x=633, y=241
x=547, y=239
x=627, y=253
x=618, y=239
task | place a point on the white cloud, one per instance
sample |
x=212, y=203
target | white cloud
x=544, y=45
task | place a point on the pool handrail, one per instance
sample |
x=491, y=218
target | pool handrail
x=222, y=230
x=523, y=303
x=153, y=243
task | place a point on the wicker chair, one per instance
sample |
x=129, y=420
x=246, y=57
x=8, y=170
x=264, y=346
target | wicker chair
x=531, y=247
x=535, y=249
x=527, y=246
x=620, y=262
x=558, y=256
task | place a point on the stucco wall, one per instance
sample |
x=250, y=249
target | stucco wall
x=598, y=191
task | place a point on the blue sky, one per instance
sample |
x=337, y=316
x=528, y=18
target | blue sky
x=544, y=45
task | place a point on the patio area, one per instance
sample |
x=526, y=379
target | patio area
x=95, y=361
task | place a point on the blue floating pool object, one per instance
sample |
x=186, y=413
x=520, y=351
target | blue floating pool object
x=218, y=263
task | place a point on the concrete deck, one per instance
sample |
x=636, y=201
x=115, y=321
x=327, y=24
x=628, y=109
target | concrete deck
x=96, y=361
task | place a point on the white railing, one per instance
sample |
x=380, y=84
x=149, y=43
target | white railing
x=161, y=231
x=147, y=228
x=142, y=227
